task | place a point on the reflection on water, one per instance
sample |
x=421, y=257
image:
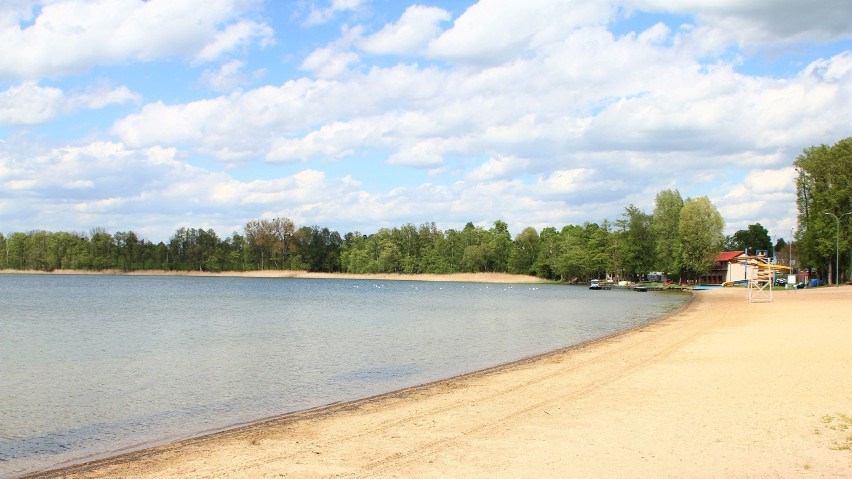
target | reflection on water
x=90, y=364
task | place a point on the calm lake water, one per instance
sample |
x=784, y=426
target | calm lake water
x=98, y=364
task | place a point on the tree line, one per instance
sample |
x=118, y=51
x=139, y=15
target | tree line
x=679, y=237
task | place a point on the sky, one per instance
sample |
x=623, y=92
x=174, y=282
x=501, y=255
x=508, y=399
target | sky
x=358, y=115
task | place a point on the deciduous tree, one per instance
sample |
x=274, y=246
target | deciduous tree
x=666, y=226
x=753, y=239
x=637, y=247
x=701, y=236
x=524, y=252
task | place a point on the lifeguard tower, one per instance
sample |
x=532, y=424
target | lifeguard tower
x=760, y=276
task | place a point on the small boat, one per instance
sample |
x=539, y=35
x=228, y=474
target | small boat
x=595, y=284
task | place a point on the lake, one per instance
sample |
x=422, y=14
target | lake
x=92, y=365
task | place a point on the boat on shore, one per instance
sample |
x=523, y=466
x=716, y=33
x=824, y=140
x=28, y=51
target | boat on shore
x=596, y=284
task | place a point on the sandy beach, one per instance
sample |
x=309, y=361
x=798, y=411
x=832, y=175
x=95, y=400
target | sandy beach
x=456, y=277
x=724, y=388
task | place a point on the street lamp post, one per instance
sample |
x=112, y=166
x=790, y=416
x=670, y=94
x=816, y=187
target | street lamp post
x=837, y=246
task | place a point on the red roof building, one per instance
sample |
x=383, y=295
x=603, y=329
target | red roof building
x=720, y=271
x=726, y=256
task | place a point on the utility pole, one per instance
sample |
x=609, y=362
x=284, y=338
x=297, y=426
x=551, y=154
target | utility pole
x=790, y=264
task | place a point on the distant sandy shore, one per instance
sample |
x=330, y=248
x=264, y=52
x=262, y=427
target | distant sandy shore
x=458, y=277
x=724, y=388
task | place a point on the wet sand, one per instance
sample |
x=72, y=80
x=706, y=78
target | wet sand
x=724, y=388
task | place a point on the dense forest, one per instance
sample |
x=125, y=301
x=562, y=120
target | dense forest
x=678, y=237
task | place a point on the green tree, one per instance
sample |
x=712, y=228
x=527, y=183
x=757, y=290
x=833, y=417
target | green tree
x=500, y=247
x=38, y=250
x=754, y=239
x=824, y=185
x=355, y=254
x=181, y=246
x=81, y=254
x=638, y=243
x=209, y=250
x=390, y=259
x=524, y=252
x=583, y=252
x=317, y=249
x=475, y=259
x=701, y=236
x=17, y=251
x=666, y=226
x=550, y=245
x=64, y=250
x=128, y=248
x=432, y=242
x=237, y=252
x=573, y=261
x=477, y=254
x=103, y=250
x=601, y=246
x=453, y=250
x=156, y=256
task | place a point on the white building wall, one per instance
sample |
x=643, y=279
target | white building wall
x=741, y=272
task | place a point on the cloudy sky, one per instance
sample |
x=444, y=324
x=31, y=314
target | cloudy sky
x=362, y=114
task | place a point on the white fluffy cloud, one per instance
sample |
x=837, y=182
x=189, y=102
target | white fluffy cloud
x=29, y=103
x=334, y=59
x=499, y=168
x=226, y=78
x=420, y=116
x=417, y=26
x=764, y=197
x=320, y=15
x=329, y=62
x=70, y=36
x=235, y=36
x=493, y=31
x=108, y=185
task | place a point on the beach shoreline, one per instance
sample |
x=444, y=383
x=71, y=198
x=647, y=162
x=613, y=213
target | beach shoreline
x=295, y=274
x=577, y=409
x=332, y=408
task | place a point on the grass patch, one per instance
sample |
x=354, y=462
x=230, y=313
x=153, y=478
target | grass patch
x=841, y=425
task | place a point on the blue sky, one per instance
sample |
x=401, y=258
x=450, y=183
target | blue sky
x=363, y=114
